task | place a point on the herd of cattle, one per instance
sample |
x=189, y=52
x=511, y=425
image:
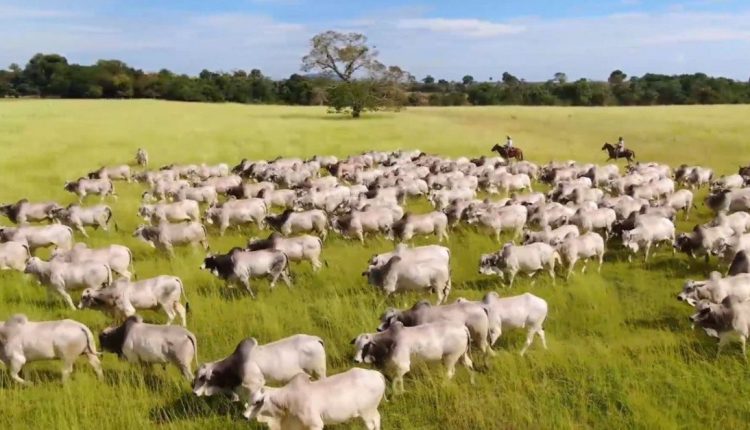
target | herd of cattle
x=587, y=209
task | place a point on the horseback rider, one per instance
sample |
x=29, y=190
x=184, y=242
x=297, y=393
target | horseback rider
x=620, y=145
x=508, y=142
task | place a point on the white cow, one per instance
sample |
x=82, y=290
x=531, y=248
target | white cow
x=356, y=393
x=512, y=259
x=23, y=341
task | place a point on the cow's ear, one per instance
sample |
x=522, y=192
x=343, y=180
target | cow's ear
x=353, y=341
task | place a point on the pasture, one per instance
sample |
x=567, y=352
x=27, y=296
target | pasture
x=621, y=351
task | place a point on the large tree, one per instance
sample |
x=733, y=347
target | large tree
x=363, y=83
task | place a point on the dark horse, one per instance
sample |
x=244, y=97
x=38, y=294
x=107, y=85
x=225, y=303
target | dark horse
x=508, y=153
x=614, y=154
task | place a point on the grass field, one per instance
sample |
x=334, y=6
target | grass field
x=621, y=352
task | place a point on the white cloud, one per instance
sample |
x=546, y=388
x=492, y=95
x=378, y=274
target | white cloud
x=530, y=47
x=460, y=27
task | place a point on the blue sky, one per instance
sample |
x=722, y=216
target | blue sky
x=447, y=39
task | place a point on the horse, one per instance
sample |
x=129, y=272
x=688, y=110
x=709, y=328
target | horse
x=508, y=153
x=614, y=154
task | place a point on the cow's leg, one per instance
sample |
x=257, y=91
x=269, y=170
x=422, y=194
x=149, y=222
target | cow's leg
x=181, y=312
x=371, y=419
x=15, y=365
x=93, y=360
x=316, y=264
x=186, y=371
x=66, y=297
x=585, y=263
x=723, y=339
x=285, y=278
x=552, y=272
x=170, y=313
x=449, y=361
x=743, y=342
x=80, y=228
x=67, y=368
x=571, y=267
x=246, y=283
x=529, y=339
x=601, y=261
x=511, y=277
x=540, y=332
x=646, y=252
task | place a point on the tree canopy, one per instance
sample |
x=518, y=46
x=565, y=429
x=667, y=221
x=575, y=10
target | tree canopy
x=369, y=85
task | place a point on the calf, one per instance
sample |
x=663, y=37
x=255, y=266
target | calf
x=121, y=172
x=239, y=265
x=205, y=194
x=338, y=399
x=522, y=311
x=138, y=342
x=729, y=319
x=715, y=288
x=415, y=254
x=647, y=234
x=36, y=237
x=23, y=341
x=586, y=246
x=119, y=258
x=165, y=236
x=78, y=217
x=423, y=224
x=23, y=211
x=179, y=211
x=681, y=200
x=357, y=223
x=244, y=373
x=512, y=259
x=401, y=274
x=549, y=236
x=236, y=213
x=123, y=297
x=299, y=248
x=482, y=324
x=394, y=348
x=62, y=277
x=289, y=222
x=83, y=187
x=14, y=255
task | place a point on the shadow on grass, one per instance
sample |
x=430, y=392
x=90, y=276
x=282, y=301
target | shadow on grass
x=666, y=322
x=189, y=407
x=336, y=117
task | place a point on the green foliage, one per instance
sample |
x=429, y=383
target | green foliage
x=50, y=75
x=621, y=352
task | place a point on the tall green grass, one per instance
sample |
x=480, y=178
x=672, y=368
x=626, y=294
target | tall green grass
x=621, y=352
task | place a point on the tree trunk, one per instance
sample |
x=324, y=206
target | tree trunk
x=356, y=111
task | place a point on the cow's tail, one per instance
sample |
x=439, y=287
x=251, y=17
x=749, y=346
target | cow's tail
x=109, y=276
x=205, y=237
x=320, y=241
x=131, y=265
x=28, y=250
x=468, y=362
x=556, y=258
x=109, y=218
x=192, y=340
x=184, y=294
x=90, y=343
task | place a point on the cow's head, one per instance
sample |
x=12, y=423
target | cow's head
x=389, y=317
x=112, y=338
x=489, y=264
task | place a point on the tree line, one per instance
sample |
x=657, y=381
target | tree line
x=348, y=77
